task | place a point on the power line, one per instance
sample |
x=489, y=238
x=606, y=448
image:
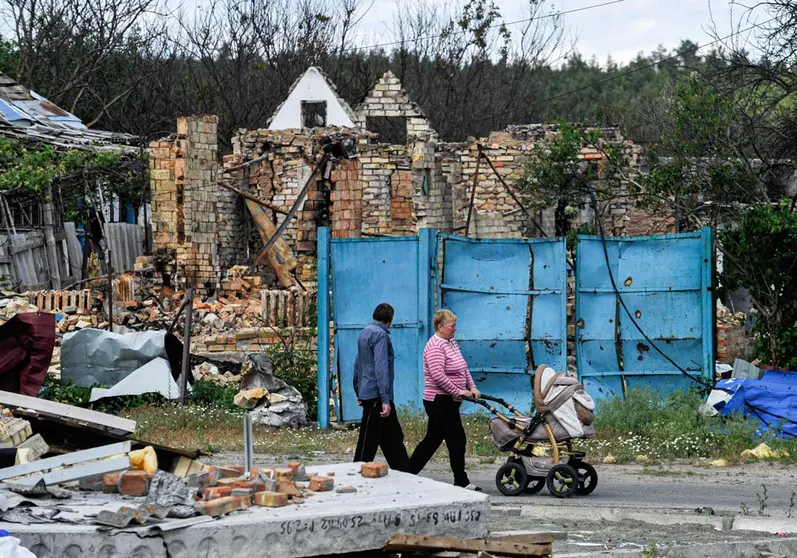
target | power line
x=495, y=26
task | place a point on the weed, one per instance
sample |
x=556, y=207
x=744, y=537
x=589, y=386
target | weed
x=745, y=509
x=762, y=500
x=670, y=426
x=791, y=504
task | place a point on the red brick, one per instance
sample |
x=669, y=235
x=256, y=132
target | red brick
x=244, y=494
x=258, y=470
x=219, y=506
x=270, y=499
x=230, y=482
x=284, y=474
x=216, y=492
x=110, y=483
x=134, y=483
x=321, y=484
x=288, y=487
x=294, y=466
x=373, y=470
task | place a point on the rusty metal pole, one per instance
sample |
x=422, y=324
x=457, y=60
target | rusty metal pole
x=110, y=289
x=189, y=312
x=473, y=188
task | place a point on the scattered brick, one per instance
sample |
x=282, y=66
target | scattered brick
x=321, y=484
x=219, y=506
x=373, y=470
x=243, y=494
x=346, y=490
x=288, y=487
x=216, y=492
x=93, y=483
x=270, y=499
x=110, y=483
x=284, y=474
x=232, y=482
x=134, y=483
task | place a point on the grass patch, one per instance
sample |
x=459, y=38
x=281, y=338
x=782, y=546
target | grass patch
x=671, y=426
x=215, y=429
x=659, y=427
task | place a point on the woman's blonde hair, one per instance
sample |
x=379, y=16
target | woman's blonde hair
x=443, y=316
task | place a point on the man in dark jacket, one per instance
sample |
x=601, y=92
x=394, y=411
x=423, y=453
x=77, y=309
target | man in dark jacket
x=373, y=385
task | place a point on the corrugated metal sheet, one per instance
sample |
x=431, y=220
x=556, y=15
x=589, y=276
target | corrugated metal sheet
x=126, y=243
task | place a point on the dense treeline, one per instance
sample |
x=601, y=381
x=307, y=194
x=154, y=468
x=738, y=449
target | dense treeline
x=133, y=66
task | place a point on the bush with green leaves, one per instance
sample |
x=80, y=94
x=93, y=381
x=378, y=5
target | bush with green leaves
x=295, y=363
x=760, y=255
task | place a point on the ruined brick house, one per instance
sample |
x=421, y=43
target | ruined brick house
x=396, y=187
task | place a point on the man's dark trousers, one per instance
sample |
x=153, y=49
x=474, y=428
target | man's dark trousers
x=385, y=432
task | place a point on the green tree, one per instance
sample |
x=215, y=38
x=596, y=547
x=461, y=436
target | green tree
x=761, y=256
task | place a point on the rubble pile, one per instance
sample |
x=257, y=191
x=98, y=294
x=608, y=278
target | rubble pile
x=136, y=487
x=272, y=401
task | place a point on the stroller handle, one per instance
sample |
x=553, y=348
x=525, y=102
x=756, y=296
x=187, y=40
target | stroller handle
x=483, y=402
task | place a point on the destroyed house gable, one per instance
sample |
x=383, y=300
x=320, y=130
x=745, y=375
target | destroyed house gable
x=312, y=103
x=389, y=112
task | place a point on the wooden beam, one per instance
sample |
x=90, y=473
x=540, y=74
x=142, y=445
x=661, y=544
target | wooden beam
x=416, y=543
x=245, y=164
x=255, y=199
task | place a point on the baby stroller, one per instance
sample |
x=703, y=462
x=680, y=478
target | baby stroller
x=563, y=412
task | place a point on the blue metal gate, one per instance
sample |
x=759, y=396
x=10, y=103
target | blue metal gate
x=666, y=284
x=366, y=272
x=510, y=299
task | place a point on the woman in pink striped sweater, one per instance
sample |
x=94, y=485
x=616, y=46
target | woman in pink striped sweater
x=447, y=382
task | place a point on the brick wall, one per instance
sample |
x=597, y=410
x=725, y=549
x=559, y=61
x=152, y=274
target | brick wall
x=347, y=200
x=184, y=211
x=388, y=98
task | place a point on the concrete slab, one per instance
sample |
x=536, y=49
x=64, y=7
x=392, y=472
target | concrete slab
x=327, y=523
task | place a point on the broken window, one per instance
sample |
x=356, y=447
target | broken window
x=391, y=129
x=314, y=114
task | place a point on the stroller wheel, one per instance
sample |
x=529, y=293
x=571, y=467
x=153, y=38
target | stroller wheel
x=587, y=479
x=562, y=481
x=534, y=485
x=511, y=479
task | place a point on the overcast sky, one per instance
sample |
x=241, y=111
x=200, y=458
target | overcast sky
x=622, y=30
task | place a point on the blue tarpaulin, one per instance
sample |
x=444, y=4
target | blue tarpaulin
x=772, y=401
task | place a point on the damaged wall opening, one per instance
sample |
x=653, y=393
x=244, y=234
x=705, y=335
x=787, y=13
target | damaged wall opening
x=314, y=114
x=391, y=129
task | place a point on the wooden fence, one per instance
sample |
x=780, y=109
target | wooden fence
x=288, y=308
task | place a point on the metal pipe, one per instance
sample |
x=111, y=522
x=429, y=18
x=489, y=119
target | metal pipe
x=473, y=188
x=186, y=344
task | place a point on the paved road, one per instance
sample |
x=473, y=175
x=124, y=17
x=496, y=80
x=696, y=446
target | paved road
x=679, y=486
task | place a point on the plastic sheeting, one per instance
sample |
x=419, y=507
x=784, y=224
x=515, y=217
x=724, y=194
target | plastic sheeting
x=97, y=357
x=772, y=401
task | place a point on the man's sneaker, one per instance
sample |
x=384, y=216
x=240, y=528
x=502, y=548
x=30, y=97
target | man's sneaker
x=473, y=487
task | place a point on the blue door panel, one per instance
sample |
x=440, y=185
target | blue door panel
x=666, y=285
